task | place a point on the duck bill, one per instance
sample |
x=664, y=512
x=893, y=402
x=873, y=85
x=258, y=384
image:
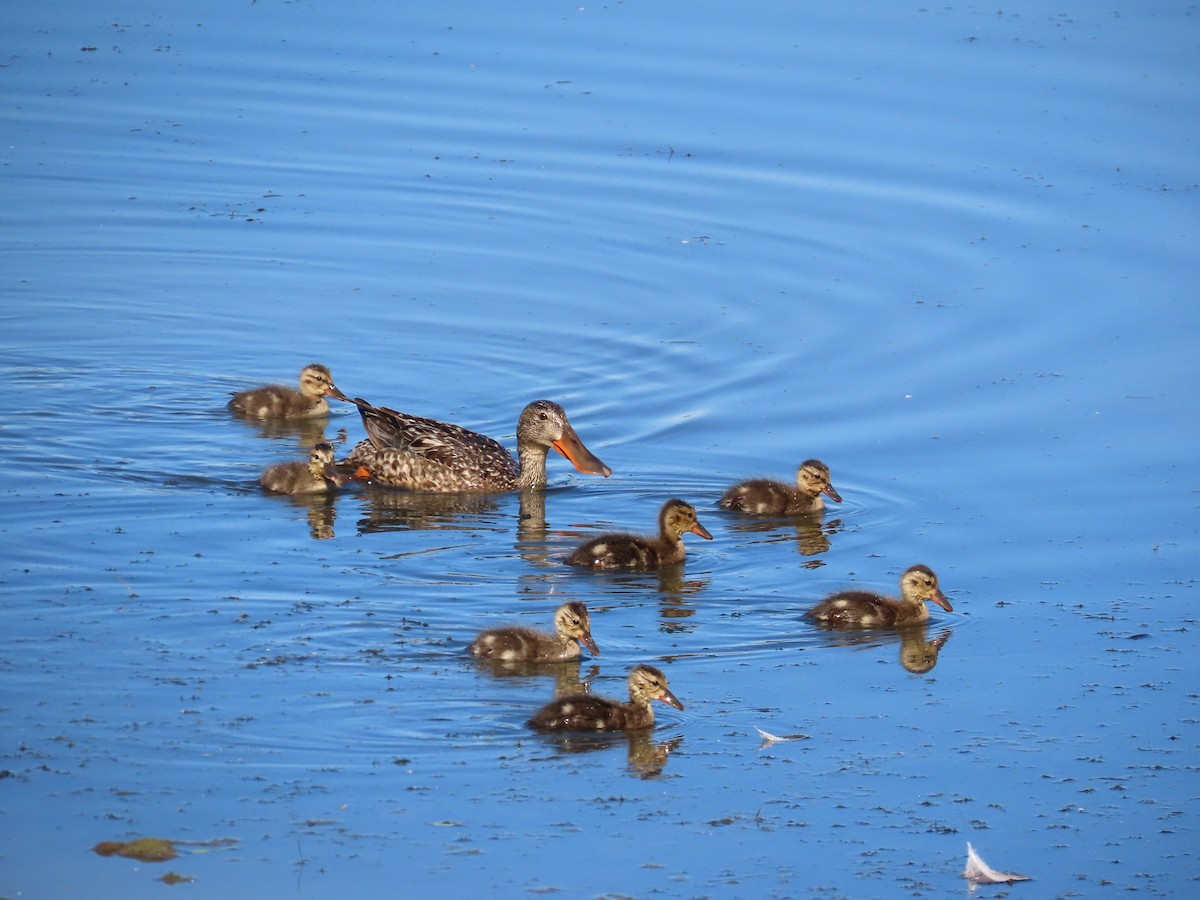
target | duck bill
x=670, y=699
x=832, y=494
x=570, y=446
x=702, y=531
x=361, y=474
x=940, y=599
x=332, y=391
x=586, y=640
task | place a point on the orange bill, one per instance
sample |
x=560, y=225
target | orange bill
x=940, y=599
x=570, y=446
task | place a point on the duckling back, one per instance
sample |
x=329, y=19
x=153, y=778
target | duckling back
x=514, y=644
x=617, y=551
x=585, y=712
x=293, y=478
x=863, y=609
x=758, y=496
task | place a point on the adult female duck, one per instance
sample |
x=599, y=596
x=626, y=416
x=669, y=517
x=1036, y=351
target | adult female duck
x=420, y=454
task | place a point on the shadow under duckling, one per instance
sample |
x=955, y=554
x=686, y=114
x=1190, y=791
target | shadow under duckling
x=584, y=712
x=864, y=609
x=316, y=476
x=765, y=497
x=572, y=626
x=274, y=401
x=630, y=551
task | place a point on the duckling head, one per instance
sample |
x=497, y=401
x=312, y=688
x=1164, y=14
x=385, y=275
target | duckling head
x=920, y=584
x=678, y=518
x=320, y=461
x=648, y=683
x=812, y=478
x=572, y=620
x=316, y=381
x=544, y=424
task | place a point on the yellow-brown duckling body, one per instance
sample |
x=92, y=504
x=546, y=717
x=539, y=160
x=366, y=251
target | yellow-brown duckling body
x=864, y=609
x=422, y=454
x=764, y=497
x=631, y=551
x=315, y=476
x=278, y=402
x=572, y=626
x=584, y=712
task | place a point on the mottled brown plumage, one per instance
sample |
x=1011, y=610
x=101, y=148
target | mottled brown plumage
x=864, y=609
x=572, y=626
x=420, y=454
x=630, y=551
x=278, y=402
x=584, y=712
x=764, y=497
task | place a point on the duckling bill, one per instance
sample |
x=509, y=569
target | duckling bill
x=585, y=712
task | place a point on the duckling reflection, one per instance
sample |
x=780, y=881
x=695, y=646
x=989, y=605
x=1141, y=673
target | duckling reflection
x=645, y=755
x=918, y=654
x=811, y=534
x=569, y=678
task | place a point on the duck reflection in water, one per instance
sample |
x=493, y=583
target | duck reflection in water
x=918, y=652
x=387, y=509
x=646, y=756
x=569, y=677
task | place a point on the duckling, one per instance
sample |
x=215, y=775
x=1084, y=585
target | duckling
x=313, y=477
x=572, y=626
x=278, y=402
x=764, y=497
x=863, y=609
x=584, y=712
x=629, y=551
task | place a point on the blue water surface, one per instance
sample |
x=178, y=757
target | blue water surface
x=947, y=250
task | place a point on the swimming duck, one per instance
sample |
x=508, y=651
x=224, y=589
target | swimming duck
x=572, y=627
x=585, y=712
x=629, y=551
x=764, y=497
x=421, y=454
x=278, y=402
x=863, y=609
x=313, y=477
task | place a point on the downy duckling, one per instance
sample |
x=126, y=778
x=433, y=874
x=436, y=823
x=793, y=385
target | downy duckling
x=407, y=451
x=572, y=626
x=584, y=712
x=313, y=477
x=278, y=402
x=764, y=497
x=864, y=609
x=629, y=551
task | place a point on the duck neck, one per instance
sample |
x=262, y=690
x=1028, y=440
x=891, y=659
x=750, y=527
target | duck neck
x=532, y=463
